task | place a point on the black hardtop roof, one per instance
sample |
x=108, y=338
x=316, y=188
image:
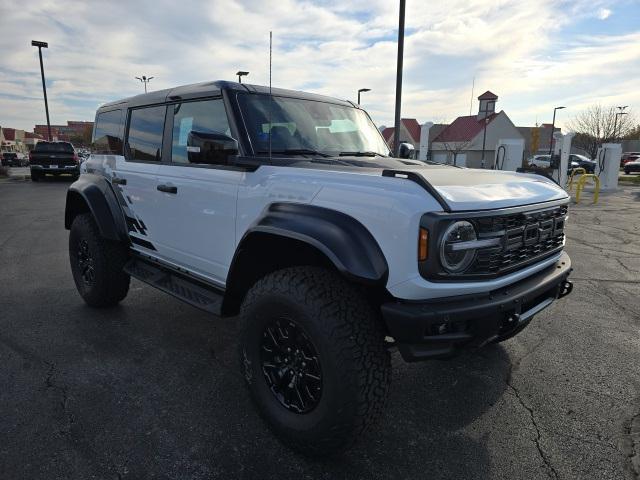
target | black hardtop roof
x=208, y=89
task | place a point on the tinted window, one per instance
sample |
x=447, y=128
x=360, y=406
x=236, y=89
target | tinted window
x=107, y=135
x=207, y=116
x=60, y=147
x=144, y=141
x=296, y=123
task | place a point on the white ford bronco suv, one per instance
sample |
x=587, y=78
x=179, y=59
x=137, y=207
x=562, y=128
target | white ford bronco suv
x=285, y=210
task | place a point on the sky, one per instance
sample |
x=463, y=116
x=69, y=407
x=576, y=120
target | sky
x=534, y=55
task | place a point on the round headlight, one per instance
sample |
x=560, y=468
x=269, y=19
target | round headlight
x=455, y=256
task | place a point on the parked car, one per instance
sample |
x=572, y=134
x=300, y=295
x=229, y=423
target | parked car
x=286, y=210
x=540, y=161
x=10, y=159
x=629, y=157
x=54, y=158
x=580, y=161
x=632, y=167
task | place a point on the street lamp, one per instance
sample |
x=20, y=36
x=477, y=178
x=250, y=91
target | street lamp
x=241, y=74
x=553, y=127
x=615, y=122
x=144, y=80
x=362, y=90
x=396, y=133
x=40, y=46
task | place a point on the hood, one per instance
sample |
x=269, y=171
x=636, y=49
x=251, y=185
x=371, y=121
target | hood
x=475, y=189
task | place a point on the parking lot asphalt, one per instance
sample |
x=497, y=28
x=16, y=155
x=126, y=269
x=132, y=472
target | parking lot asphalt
x=151, y=388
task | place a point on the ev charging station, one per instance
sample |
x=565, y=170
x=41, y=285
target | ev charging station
x=508, y=154
x=608, y=166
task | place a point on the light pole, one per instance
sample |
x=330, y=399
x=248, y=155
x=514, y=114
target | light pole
x=40, y=46
x=241, y=74
x=553, y=127
x=362, y=90
x=145, y=80
x=615, y=122
x=396, y=133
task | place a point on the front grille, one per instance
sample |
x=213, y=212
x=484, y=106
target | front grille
x=525, y=237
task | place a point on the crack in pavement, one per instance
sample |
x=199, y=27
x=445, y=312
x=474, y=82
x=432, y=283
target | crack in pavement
x=64, y=402
x=551, y=471
x=631, y=445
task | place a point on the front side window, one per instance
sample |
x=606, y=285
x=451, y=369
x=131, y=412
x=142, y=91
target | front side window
x=144, y=140
x=107, y=133
x=200, y=117
x=299, y=124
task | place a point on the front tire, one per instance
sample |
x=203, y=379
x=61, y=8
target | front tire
x=314, y=358
x=97, y=264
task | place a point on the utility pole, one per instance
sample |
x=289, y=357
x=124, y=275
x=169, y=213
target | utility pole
x=361, y=91
x=241, y=74
x=615, y=122
x=40, y=46
x=396, y=133
x=145, y=80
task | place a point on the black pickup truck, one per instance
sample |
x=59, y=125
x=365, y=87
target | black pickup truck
x=55, y=158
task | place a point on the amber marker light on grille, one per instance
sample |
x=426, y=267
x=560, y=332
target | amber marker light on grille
x=423, y=244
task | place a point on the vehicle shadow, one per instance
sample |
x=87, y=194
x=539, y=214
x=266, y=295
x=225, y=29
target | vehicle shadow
x=169, y=382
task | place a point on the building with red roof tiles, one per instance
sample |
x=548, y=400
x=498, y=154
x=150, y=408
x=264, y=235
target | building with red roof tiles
x=472, y=140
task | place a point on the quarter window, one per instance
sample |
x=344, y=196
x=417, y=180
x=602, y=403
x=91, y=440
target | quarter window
x=207, y=116
x=144, y=140
x=107, y=135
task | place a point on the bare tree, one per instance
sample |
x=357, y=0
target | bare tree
x=597, y=125
x=455, y=148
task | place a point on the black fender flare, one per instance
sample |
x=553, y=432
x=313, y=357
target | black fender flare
x=98, y=195
x=341, y=238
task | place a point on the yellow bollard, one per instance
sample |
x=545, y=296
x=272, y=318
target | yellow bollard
x=580, y=170
x=582, y=181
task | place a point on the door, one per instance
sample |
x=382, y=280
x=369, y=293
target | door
x=135, y=177
x=198, y=201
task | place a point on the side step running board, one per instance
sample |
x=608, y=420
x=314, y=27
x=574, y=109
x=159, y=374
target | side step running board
x=185, y=289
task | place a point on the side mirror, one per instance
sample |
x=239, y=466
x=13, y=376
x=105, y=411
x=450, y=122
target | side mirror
x=406, y=150
x=210, y=148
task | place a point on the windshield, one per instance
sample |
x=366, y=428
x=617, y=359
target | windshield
x=302, y=127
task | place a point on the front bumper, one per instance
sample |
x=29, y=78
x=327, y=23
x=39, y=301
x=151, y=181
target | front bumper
x=73, y=169
x=439, y=328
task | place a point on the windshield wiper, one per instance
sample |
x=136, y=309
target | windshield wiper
x=296, y=151
x=361, y=154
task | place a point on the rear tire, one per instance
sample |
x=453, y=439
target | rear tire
x=35, y=176
x=312, y=316
x=97, y=264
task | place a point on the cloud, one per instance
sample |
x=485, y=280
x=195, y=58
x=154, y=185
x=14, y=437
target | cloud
x=604, y=13
x=526, y=52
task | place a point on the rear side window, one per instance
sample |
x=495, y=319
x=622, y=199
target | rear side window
x=144, y=140
x=107, y=134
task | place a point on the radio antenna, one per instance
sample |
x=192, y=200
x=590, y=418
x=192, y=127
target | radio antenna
x=473, y=86
x=270, y=95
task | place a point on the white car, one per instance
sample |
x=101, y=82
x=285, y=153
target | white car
x=286, y=210
x=540, y=161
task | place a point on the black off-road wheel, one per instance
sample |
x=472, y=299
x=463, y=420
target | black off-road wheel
x=97, y=264
x=314, y=358
x=35, y=176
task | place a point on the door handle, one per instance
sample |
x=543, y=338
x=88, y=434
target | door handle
x=119, y=181
x=167, y=188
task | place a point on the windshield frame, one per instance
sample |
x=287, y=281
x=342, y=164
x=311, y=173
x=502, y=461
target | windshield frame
x=258, y=153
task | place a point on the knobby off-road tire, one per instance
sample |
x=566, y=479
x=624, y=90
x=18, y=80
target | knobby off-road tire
x=35, y=176
x=97, y=264
x=321, y=311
